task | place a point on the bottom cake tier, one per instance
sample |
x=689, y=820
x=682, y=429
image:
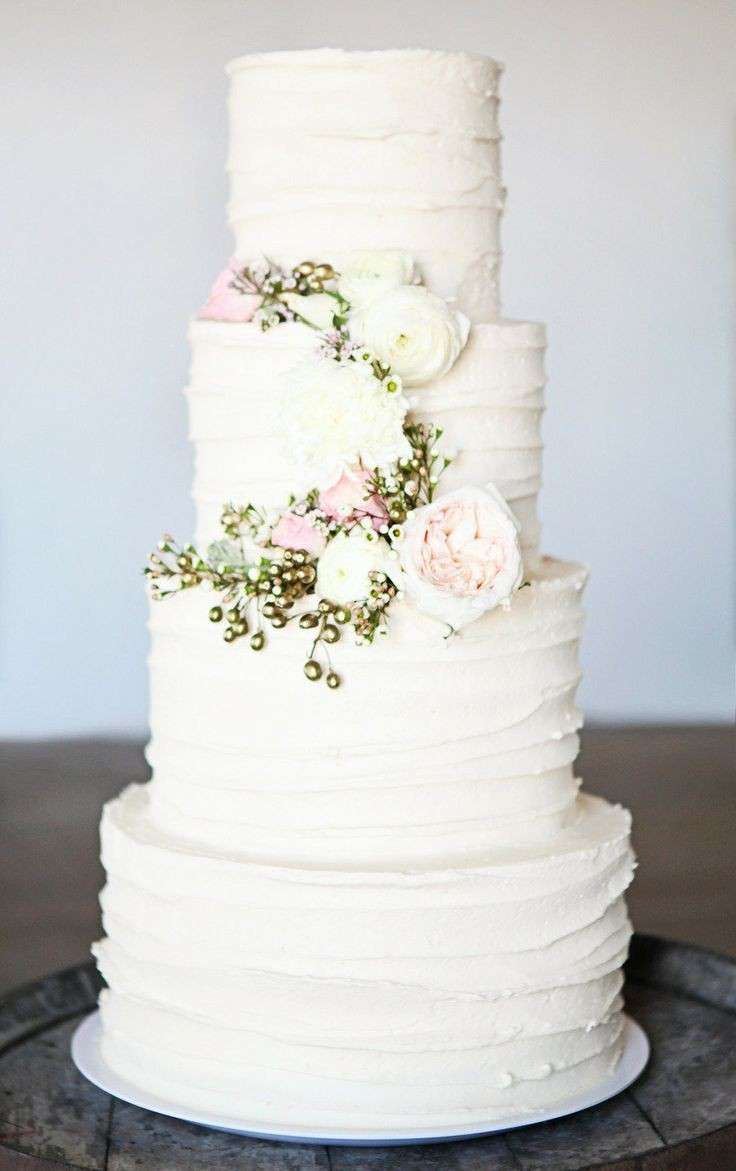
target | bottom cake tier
x=347, y=996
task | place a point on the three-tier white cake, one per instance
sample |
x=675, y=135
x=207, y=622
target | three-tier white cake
x=385, y=903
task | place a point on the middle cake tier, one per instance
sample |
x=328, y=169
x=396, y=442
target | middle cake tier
x=490, y=406
x=433, y=748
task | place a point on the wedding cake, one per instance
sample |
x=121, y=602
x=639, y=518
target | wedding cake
x=362, y=888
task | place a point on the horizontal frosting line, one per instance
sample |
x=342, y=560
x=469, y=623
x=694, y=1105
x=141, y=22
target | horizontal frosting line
x=435, y=942
x=238, y=209
x=388, y=758
x=522, y=400
x=399, y=1043
x=564, y=634
x=602, y=1036
x=356, y=783
x=455, y=134
x=362, y=58
x=288, y=203
x=581, y=956
x=126, y=816
x=274, y=1104
x=423, y=934
x=460, y=649
x=300, y=759
x=607, y=938
x=329, y=831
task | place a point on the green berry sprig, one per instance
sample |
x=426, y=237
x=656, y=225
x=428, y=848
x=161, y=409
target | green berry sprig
x=413, y=479
x=270, y=282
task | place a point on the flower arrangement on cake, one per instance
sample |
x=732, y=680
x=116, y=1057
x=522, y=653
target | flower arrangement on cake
x=363, y=528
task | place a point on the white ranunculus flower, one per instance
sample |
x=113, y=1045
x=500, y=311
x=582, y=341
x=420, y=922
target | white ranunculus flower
x=368, y=275
x=344, y=568
x=316, y=309
x=334, y=414
x=460, y=555
x=413, y=331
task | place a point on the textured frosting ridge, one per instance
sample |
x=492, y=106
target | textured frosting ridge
x=454, y=992
x=391, y=150
x=310, y=908
x=400, y=770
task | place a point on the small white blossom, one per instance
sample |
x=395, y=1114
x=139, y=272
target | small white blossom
x=345, y=567
x=368, y=275
x=337, y=413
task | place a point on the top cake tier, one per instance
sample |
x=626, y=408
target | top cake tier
x=333, y=152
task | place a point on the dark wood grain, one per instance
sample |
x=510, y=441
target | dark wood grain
x=140, y=1139
x=679, y=1116
x=483, y=1154
x=614, y=1130
x=48, y=1108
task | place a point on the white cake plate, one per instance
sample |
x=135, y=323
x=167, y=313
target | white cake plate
x=87, y=1056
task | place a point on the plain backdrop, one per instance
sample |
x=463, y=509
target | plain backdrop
x=618, y=155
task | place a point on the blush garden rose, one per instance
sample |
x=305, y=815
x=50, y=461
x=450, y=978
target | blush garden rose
x=460, y=556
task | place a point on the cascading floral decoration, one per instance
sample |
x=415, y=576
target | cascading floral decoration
x=337, y=556
x=268, y=568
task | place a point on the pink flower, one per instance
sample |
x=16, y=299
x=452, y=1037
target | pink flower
x=346, y=499
x=225, y=303
x=297, y=532
x=460, y=556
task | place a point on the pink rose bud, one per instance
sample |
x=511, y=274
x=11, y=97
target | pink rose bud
x=347, y=499
x=226, y=303
x=297, y=532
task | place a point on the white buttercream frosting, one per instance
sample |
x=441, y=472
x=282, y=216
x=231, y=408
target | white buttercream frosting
x=343, y=996
x=490, y=405
x=391, y=910
x=387, y=905
x=333, y=152
x=432, y=747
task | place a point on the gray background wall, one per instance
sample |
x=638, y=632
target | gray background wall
x=618, y=156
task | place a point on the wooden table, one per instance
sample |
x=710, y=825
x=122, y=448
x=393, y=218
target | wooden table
x=679, y=1116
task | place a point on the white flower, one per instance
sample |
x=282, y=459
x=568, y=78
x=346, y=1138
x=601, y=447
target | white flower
x=460, y=556
x=344, y=569
x=368, y=275
x=334, y=414
x=316, y=309
x=413, y=331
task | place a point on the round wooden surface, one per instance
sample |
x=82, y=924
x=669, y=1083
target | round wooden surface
x=679, y=1116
